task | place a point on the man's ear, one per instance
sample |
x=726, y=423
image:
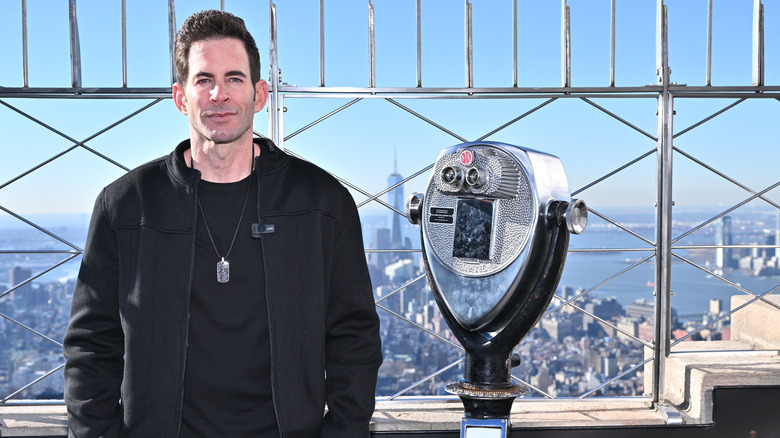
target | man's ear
x=179, y=98
x=261, y=94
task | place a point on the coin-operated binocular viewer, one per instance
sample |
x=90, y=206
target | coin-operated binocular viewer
x=495, y=225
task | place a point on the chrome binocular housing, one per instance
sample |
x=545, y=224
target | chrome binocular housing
x=495, y=224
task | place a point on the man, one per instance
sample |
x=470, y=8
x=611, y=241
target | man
x=223, y=290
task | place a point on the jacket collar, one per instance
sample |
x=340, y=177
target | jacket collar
x=271, y=159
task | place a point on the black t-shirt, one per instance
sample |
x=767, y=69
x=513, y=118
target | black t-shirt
x=227, y=383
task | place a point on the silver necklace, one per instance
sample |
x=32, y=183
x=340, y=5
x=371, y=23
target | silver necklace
x=223, y=266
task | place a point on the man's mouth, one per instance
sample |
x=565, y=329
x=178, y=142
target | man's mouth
x=219, y=115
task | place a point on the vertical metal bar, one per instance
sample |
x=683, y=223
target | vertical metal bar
x=419, y=45
x=124, y=43
x=758, y=43
x=565, y=45
x=514, y=43
x=322, y=43
x=469, y=48
x=613, y=20
x=273, y=106
x=25, y=76
x=663, y=262
x=222, y=5
x=172, y=38
x=708, y=79
x=371, y=47
x=280, y=119
x=75, y=47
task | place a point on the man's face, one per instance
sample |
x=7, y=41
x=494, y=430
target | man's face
x=218, y=96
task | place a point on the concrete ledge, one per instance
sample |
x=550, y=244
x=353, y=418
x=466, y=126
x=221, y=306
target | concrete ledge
x=33, y=420
x=403, y=415
x=692, y=375
x=445, y=415
x=753, y=324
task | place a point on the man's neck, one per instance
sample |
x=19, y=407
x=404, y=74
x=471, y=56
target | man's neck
x=222, y=163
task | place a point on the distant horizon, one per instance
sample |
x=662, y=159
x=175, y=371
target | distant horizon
x=7, y=218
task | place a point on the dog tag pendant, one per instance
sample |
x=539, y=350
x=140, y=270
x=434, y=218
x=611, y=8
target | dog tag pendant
x=223, y=271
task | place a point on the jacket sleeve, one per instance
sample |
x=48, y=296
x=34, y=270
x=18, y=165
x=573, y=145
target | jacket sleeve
x=353, y=346
x=94, y=341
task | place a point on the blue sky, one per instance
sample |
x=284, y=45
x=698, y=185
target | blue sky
x=361, y=143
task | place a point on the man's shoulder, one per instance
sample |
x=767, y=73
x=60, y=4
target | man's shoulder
x=139, y=175
x=164, y=168
x=316, y=178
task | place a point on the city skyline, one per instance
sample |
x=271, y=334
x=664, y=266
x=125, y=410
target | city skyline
x=567, y=354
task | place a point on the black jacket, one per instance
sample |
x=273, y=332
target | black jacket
x=127, y=336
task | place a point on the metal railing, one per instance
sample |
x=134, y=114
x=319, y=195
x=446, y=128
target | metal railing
x=664, y=250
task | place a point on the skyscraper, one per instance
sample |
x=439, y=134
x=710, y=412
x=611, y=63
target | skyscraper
x=723, y=257
x=395, y=198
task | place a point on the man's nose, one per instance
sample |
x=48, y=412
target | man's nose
x=218, y=94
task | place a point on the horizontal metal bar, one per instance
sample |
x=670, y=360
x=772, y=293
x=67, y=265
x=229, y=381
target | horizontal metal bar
x=392, y=251
x=766, y=92
x=32, y=403
x=444, y=96
x=437, y=93
x=474, y=90
x=612, y=249
x=724, y=246
x=86, y=90
x=35, y=251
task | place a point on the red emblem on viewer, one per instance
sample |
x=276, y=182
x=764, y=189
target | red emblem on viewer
x=466, y=157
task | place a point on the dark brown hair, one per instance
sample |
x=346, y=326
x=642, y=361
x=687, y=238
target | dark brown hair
x=213, y=24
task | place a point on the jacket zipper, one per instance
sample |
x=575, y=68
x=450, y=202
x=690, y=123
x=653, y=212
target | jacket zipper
x=274, y=399
x=187, y=319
